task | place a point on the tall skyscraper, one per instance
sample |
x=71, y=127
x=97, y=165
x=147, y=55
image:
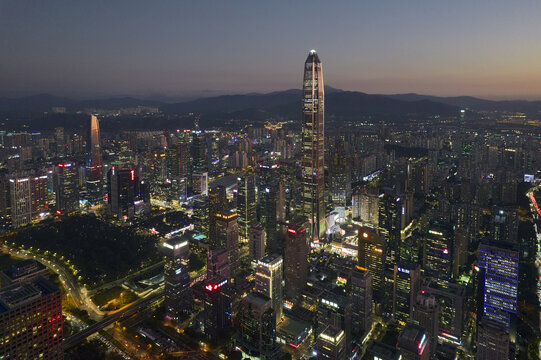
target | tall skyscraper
x=313, y=146
x=65, y=184
x=296, y=258
x=227, y=234
x=95, y=150
x=268, y=281
x=335, y=310
x=125, y=196
x=413, y=343
x=492, y=341
x=178, y=297
x=437, y=253
x=257, y=326
x=246, y=205
x=217, y=203
x=360, y=286
x=499, y=281
x=371, y=256
x=256, y=244
x=31, y=321
x=407, y=282
x=218, y=263
x=425, y=313
x=217, y=303
x=331, y=344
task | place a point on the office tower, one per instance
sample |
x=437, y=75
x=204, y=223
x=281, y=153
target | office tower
x=371, y=255
x=360, y=291
x=198, y=150
x=499, y=273
x=39, y=195
x=425, y=313
x=418, y=177
x=336, y=311
x=213, y=159
x=66, y=187
x=217, y=203
x=246, y=205
x=124, y=188
x=380, y=351
x=339, y=172
x=179, y=190
x=218, y=263
x=227, y=234
x=492, y=341
x=257, y=326
x=217, y=303
x=31, y=321
x=20, y=196
x=296, y=258
x=366, y=207
x=95, y=150
x=179, y=160
x=450, y=298
x=268, y=281
x=273, y=212
x=504, y=224
x=178, y=296
x=391, y=220
x=313, y=147
x=438, y=249
x=331, y=344
x=60, y=140
x=23, y=271
x=256, y=235
x=413, y=343
x=407, y=283
x=200, y=183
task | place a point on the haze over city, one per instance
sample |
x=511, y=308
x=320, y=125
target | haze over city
x=206, y=48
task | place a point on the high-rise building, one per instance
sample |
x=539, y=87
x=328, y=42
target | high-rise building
x=200, y=183
x=60, y=140
x=313, y=146
x=256, y=244
x=413, y=343
x=450, y=298
x=65, y=184
x=95, y=150
x=21, y=201
x=504, y=226
x=246, y=205
x=22, y=271
x=31, y=321
x=178, y=297
x=425, y=313
x=296, y=258
x=331, y=344
x=438, y=249
x=273, y=212
x=268, y=281
x=125, y=198
x=217, y=303
x=335, y=310
x=257, y=326
x=366, y=207
x=217, y=204
x=407, y=283
x=371, y=255
x=360, y=290
x=218, y=263
x=492, y=340
x=227, y=234
x=499, y=266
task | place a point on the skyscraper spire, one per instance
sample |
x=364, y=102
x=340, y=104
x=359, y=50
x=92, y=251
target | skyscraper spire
x=313, y=147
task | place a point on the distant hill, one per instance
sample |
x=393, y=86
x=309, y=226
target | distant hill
x=341, y=104
x=45, y=102
x=474, y=103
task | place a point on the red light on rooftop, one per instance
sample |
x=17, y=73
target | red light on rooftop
x=215, y=287
x=132, y=173
x=445, y=251
x=365, y=235
x=208, y=287
x=302, y=230
x=291, y=231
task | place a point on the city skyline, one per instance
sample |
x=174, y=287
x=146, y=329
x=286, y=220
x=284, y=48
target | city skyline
x=443, y=49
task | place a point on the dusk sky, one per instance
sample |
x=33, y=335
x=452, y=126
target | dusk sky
x=96, y=48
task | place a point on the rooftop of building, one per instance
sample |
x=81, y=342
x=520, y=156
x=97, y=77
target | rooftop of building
x=270, y=259
x=383, y=351
x=444, y=286
x=23, y=268
x=19, y=294
x=412, y=337
x=293, y=328
x=257, y=298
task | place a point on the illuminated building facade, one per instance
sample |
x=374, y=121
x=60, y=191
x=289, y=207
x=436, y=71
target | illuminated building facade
x=371, y=256
x=437, y=254
x=31, y=324
x=217, y=203
x=95, y=150
x=177, y=291
x=227, y=233
x=217, y=303
x=425, y=313
x=125, y=198
x=257, y=326
x=331, y=344
x=256, y=243
x=335, y=310
x=407, y=283
x=296, y=258
x=499, y=273
x=492, y=341
x=246, y=205
x=65, y=183
x=313, y=147
x=360, y=290
x=268, y=281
